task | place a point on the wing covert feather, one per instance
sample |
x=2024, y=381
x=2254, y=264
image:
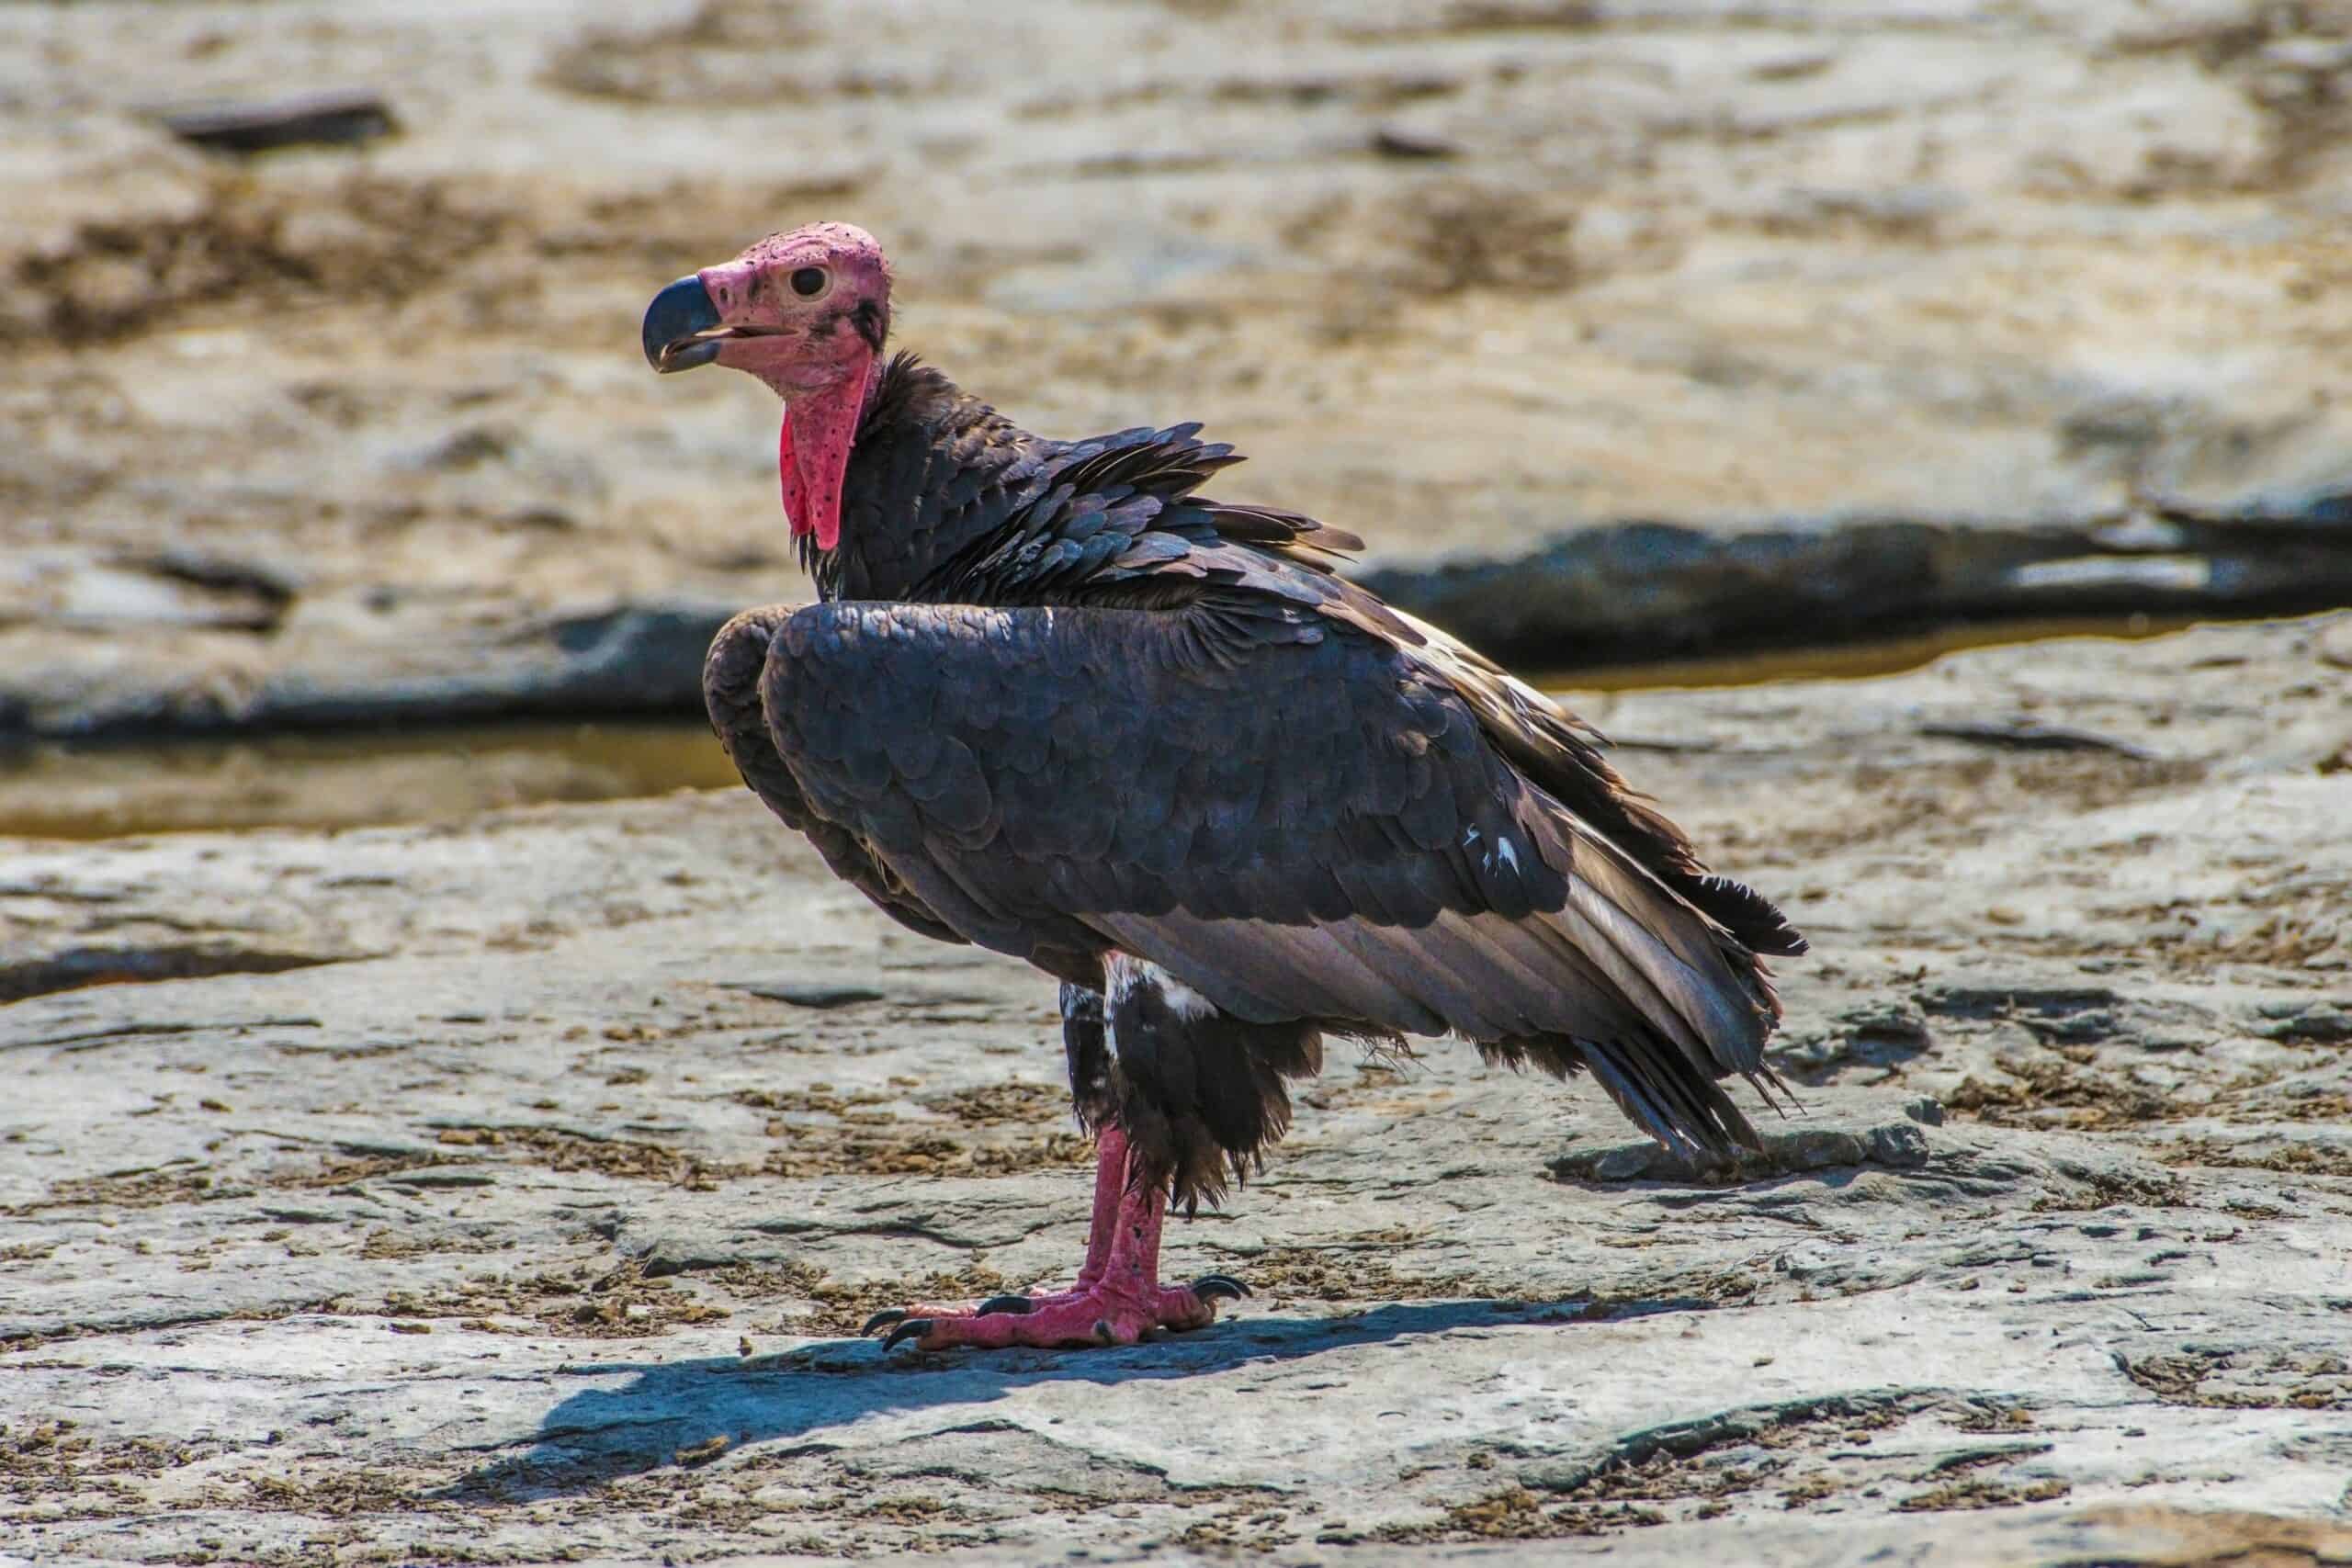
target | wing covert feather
x=732, y=693
x=1296, y=828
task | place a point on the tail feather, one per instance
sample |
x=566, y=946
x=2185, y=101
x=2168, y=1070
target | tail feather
x=1627, y=978
x=1688, y=1112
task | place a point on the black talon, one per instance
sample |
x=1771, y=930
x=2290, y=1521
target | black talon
x=913, y=1328
x=1004, y=1303
x=884, y=1319
x=1225, y=1285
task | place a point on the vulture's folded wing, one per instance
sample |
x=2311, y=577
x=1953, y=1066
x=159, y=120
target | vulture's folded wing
x=1289, y=814
x=730, y=689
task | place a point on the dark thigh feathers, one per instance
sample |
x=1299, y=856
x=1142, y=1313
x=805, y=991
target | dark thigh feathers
x=1296, y=822
x=1201, y=1095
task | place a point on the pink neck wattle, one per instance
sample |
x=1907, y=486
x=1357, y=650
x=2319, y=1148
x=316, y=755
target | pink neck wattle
x=812, y=454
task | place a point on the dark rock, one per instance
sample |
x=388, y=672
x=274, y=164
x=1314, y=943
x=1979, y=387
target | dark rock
x=1395, y=142
x=331, y=119
x=809, y=995
x=2030, y=735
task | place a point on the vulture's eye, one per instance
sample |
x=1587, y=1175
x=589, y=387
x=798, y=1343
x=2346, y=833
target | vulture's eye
x=809, y=282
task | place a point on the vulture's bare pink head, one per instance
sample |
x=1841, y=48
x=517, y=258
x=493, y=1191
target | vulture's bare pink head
x=806, y=312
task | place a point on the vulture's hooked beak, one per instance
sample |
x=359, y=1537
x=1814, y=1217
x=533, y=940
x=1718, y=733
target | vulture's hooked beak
x=682, y=327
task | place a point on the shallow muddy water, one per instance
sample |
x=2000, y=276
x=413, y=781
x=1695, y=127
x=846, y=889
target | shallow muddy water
x=346, y=780
x=1850, y=661
x=65, y=790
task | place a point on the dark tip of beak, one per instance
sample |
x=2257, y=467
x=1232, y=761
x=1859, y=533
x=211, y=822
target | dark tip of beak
x=672, y=323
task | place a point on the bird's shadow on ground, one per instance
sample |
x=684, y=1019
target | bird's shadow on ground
x=669, y=1409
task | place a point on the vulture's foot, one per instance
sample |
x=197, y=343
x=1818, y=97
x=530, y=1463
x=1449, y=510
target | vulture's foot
x=1118, y=1298
x=1178, y=1307
x=1095, y=1316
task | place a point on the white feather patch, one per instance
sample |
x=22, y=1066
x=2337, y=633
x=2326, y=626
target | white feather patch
x=1182, y=1000
x=1129, y=975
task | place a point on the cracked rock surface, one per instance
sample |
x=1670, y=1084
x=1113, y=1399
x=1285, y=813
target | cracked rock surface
x=527, y=1215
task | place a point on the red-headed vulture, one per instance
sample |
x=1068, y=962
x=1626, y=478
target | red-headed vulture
x=1058, y=700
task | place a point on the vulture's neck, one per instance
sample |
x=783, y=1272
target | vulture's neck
x=933, y=470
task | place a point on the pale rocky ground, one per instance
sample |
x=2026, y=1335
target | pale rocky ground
x=1878, y=312
x=489, y=1190
x=499, y=1191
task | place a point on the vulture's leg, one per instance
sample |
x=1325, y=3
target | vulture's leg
x=1110, y=1177
x=1122, y=1301
x=1118, y=1297
x=1085, y=1042
x=1086, y=1045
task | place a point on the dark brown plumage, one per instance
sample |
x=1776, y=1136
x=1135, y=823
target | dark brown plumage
x=1061, y=706
x=1059, y=702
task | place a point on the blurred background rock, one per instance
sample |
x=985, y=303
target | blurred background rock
x=1623, y=330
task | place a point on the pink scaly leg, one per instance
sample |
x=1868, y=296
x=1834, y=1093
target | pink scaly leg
x=1117, y=1300
x=1110, y=1182
x=1110, y=1177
